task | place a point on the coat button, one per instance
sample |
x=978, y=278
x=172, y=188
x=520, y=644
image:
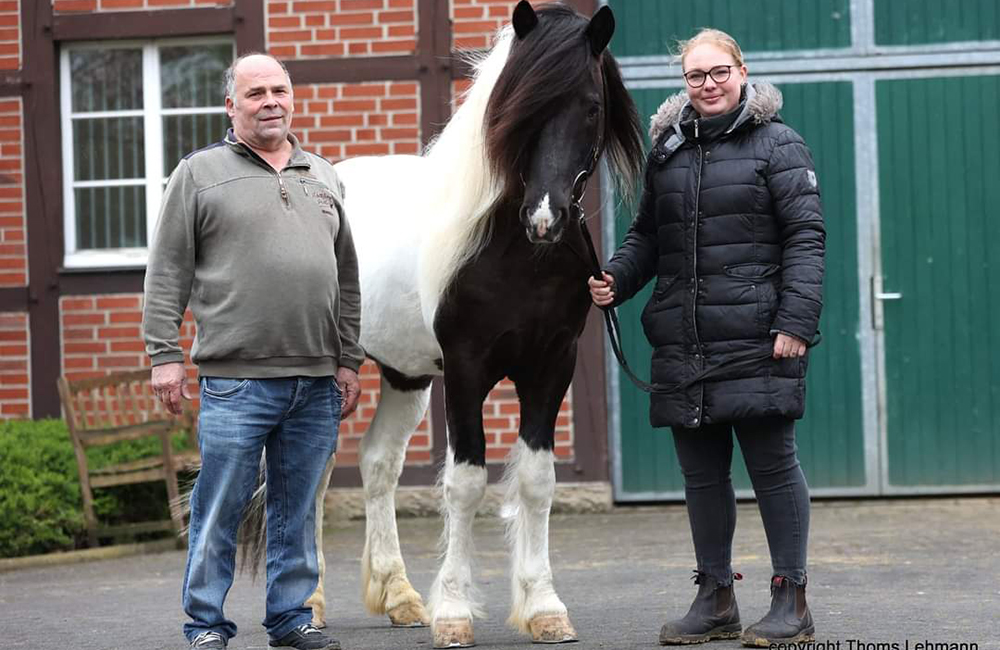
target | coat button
x=694, y=422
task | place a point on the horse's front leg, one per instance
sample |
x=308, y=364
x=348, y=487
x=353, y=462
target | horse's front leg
x=384, y=584
x=453, y=603
x=318, y=599
x=531, y=479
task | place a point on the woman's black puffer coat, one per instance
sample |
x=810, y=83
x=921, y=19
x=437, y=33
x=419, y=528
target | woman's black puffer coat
x=731, y=226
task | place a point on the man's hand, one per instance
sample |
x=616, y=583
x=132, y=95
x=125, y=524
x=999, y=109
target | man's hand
x=170, y=385
x=786, y=345
x=350, y=388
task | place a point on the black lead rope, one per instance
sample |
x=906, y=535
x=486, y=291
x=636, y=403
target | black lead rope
x=614, y=329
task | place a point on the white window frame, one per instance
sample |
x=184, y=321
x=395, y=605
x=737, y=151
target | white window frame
x=152, y=113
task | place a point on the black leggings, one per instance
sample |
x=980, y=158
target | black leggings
x=769, y=449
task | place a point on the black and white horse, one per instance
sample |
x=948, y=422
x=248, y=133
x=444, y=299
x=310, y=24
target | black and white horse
x=472, y=265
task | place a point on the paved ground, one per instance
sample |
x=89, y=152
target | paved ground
x=882, y=573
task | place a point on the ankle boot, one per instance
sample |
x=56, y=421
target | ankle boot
x=789, y=620
x=713, y=615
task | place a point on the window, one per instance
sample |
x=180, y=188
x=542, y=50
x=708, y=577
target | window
x=130, y=112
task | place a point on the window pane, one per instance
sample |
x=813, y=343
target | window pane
x=191, y=75
x=106, y=80
x=108, y=148
x=183, y=134
x=110, y=217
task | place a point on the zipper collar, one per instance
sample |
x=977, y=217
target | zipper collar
x=297, y=159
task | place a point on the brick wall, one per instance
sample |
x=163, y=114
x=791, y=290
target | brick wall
x=129, y=5
x=10, y=34
x=302, y=29
x=13, y=252
x=476, y=21
x=345, y=120
x=15, y=370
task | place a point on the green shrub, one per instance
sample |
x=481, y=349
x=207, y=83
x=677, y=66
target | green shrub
x=41, y=509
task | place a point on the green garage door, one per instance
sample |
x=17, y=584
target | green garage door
x=939, y=185
x=831, y=435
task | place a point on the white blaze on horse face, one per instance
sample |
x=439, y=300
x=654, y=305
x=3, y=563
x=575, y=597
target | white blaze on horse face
x=541, y=218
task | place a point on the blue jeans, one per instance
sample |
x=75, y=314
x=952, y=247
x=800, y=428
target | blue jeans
x=295, y=419
x=771, y=457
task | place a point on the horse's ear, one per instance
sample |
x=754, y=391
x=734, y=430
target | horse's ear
x=524, y=18
x=600, y=29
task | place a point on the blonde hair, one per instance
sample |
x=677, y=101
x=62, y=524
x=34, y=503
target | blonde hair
x=715, y=37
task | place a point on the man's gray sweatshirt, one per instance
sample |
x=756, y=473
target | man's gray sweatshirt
x=265, y=260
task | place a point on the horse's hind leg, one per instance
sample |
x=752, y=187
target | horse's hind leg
x=453, y=602
x=536, y=608
x=318, y=600
x=385, y=588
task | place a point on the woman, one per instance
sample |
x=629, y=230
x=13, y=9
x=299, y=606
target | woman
x=730, y=224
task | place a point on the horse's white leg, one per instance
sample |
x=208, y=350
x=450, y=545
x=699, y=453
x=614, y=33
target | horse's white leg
x=452, y=600
x=535, y=606
x=318, y=600
x=385, y=588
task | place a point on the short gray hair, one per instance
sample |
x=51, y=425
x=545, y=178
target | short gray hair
x=229, y=77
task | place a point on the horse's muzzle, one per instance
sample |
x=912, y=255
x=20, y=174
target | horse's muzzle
x=544, y=226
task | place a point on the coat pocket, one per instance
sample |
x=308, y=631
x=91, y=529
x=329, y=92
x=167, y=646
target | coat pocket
x=763, y=279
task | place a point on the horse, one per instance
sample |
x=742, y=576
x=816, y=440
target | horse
x=472, y=266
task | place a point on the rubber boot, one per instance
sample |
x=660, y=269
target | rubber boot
x=713, y=615
x=789, y=620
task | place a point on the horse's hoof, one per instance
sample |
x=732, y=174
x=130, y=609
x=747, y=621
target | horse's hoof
x=554, y=628
x=409, y=615
x=453, y=633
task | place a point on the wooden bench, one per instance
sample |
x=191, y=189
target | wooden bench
x=110, y=410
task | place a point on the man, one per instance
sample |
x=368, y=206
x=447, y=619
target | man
x=252, y=234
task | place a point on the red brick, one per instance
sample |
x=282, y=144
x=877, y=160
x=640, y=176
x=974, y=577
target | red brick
x=404, y=118
x=83, y=319
x=14, y=335
x=399, y=134
x=403, y=89
x=325, y=35
x=74, y=5
x=277, y=7
x=366, y=90
x=395, y=16
x=284, y=21
x=357, y=5
x=286, y=37
x=77, y=303
x=12, y=364
x=14, y=379
x=357, y=48
x=407, y=148
x=408, y=45
x=314, y=6
x=468, y=13
x=377, y=119
x=365, y=134
x=360, y=33
x=368, y=149
x=9, y=106
x=325, y=49
x=85, y=348
x=316, y=21
x=118, y=302
x=121, y=4
x=418, y=456
x=470, y=43
x=13, y=350
x=283, y=52
x=352, y=19
x=356, y=105
x=15, y=409
x=119, y=362
x=78, y=333
x=13, y=279
x=118, y=332
x=125, y=317
x=330, y=136
x=402, y=31
x=474, y=27
x=128, y=346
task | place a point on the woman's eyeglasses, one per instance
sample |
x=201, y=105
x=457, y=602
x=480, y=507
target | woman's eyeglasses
x=720, y=74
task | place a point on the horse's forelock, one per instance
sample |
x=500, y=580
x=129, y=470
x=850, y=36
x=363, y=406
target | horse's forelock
x=550, y=62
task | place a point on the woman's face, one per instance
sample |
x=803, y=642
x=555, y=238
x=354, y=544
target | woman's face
x=707, y=62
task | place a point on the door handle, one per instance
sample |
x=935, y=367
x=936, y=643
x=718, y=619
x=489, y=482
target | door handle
x=888, y=296
x=878, y=297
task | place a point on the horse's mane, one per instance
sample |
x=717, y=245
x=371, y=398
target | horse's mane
x=517, y=88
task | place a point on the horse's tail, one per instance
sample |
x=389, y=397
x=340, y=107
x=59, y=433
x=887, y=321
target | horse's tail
x=252, y=533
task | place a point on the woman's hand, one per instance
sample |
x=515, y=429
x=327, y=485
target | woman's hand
x=602, y=293
x=786, y=345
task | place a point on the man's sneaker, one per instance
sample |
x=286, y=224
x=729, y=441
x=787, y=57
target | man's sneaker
x=209, y=641
x=306, y=637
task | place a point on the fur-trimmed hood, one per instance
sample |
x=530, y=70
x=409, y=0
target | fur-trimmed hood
x=762, y=105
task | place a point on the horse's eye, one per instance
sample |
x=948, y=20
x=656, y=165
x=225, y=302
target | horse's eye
x=593, y=112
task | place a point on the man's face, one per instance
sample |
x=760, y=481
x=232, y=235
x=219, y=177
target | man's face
x=261, y=105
